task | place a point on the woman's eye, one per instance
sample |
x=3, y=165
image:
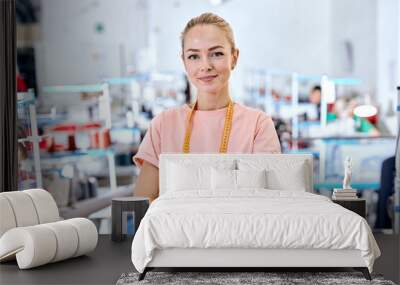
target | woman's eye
x=217, y=54
x=193, y=56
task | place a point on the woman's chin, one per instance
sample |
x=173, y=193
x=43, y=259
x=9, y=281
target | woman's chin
x=208, y=89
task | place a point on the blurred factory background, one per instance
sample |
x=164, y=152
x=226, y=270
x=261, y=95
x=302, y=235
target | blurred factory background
x=93, y=73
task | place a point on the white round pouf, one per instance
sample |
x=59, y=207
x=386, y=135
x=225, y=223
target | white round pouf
x=23, y=208
x=7, y=218
x=46, y=207
x=87, y=234
x=31, y=232
x=33, y=246
x=67, y=240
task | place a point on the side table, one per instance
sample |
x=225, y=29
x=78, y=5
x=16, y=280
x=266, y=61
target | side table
x=358, y=206
x=138, y=205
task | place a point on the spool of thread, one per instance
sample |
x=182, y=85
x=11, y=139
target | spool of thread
x=104, y=138
x=71, y=142
x=94, y=139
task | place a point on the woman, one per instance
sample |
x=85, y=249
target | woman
x=214, y=123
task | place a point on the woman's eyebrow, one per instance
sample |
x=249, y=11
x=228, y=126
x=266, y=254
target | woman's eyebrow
x=215, y=47
x=197, y=50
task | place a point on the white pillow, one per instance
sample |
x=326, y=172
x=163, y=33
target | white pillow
x=251, y=178
x=295, y=180
x=182, y=177
x=184, y=174
x=236, y=179
x=223, y=179
x=281, y=175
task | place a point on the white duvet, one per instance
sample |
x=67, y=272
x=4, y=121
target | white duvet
x=252, y=218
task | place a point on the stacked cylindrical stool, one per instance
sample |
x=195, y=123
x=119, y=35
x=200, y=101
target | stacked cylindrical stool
x=32, y=233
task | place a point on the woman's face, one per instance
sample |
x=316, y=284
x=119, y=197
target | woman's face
x=208, y=58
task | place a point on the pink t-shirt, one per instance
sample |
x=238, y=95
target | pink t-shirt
x=252, y=132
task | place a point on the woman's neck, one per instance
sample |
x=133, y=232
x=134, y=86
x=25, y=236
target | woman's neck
x=207, y=101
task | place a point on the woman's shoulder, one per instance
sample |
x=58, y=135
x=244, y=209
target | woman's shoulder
x=250, y=111
x=171, y=114
x=174, y=111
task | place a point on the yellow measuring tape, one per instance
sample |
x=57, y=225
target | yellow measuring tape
x=225, y=135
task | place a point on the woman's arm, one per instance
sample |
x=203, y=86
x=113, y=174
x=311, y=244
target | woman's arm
x=147, y=182
x=266, y=139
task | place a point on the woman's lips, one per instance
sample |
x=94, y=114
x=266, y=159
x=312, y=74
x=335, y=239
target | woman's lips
x=208, y=78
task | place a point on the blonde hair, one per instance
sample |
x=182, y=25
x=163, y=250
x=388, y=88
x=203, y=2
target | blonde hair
x=210, y=19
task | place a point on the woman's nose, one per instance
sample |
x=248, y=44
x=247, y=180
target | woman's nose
x=206, y=64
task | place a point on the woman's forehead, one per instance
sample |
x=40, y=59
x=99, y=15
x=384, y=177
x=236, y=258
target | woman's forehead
x=204, y=37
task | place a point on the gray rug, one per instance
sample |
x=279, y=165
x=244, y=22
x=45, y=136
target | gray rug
x=228, y=278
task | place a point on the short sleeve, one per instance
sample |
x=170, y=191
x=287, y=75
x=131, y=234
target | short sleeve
x=150, y=147
x=266, y=139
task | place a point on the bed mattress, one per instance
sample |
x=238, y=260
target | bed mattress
x=250, y=219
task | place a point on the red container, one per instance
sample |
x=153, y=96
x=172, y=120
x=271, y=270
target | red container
x=104, y=138
x=63, y=136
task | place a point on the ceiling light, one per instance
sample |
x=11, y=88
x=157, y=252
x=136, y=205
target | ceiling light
x=215, y=2
x=365, y=111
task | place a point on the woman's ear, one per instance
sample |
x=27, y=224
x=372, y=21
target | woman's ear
x=235, y=56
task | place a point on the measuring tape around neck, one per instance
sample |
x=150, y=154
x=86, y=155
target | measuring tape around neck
x=225, y=135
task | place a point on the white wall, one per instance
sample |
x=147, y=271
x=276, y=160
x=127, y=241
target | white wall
x=371, y=27
x=276, y=34
x=306, y=36
x=387, y=53
x=286, y=35
x=73, y=52
x=354, y=22
x=398, y=44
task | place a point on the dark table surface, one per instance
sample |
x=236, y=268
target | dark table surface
x=110, y=259
x=104, y=265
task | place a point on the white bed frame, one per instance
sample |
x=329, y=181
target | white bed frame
x=252, y=258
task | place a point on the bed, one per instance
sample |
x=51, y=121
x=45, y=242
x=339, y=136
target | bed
x=244, y=211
